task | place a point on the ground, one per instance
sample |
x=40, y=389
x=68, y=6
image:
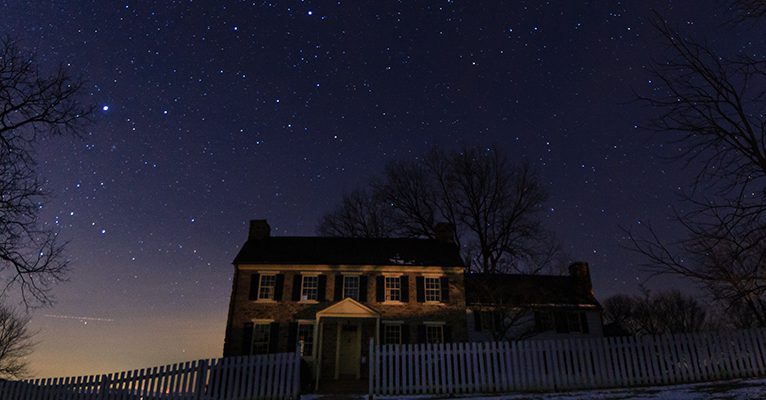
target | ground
x=729, y=390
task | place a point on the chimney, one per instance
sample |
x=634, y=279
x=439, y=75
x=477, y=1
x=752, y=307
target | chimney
x=259, y=229
x=581, y=273
x=445, y=232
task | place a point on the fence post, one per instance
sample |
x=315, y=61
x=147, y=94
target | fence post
x=104, y=390
x=201, y=373
x=371, y=368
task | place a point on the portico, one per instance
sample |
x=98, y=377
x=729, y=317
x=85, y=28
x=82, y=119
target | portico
x=341, y=329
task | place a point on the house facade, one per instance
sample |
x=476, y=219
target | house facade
x=332, y=295
x=329, y=296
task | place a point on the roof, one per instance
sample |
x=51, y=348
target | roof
x=528, y=290
x=349, y=251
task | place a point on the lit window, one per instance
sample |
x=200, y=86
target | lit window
x=268, y=282
x=393, y=288
x=351, y=286
x=310, y=289
x=392, y=334
x=434, y=334
x=306, y=335
x=433, y=289
x=261, y=338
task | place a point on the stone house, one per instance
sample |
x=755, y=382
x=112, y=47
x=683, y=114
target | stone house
x=332, y=295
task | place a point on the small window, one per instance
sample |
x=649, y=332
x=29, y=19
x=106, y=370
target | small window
x=310, y=290
x=261, y=338
x=392, y=334
x=306, y=335
x=434, y=334
x=487, y=321
x=268, y=283
x=351, y=286
x=393, y=288
x=433, y=289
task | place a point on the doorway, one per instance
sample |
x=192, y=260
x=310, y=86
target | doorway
x=348, y=360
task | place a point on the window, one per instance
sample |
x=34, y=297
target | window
x=393, y=288
x=487, y=320
x=392, y=333
x=351, y=286
x=306, y=335
x=433, y=289
x=261, y=338
x=268, y=283
x=310, y=288
x=434, y=334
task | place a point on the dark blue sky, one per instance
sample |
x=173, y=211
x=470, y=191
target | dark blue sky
x=215, y=112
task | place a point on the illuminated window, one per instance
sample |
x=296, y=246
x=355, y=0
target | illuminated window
x=351, y=286
x=268, y=283
x=306, y=335
x=392, y=333
x=261, y=338
x=310, y=290
x=393, y=288
x=433, y=289
x=434, y=334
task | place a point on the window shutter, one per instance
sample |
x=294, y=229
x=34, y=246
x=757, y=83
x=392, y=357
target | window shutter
x=255, y=281
x=279, y=286
x=247, y=339
x=421, y=333
x=297, y=282
x=561, y=322
x=538, y=321
x=445, y=289
x=499, y=319
x=477, y=320
x=338, y=287
x=363, y=288
x=584, y=328
x=447, y=333
x=405, y=334
x=292, y=337
x=404, y=282
x=420, y=289
x=380, y=288
x=274, y=337
x=322, y=288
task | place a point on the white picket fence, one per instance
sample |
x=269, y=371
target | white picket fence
x=565, y=364
x=272, y=376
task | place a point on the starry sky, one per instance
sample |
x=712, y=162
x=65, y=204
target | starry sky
x=211, y=113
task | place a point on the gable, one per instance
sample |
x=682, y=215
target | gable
x=348, y=307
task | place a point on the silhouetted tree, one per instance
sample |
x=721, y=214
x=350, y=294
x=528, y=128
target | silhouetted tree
x=32, y=105
x=15, y=343
x=495, y=206
x=666, y=312
x=711, y=108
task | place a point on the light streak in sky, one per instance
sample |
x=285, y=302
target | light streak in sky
x=78, y=318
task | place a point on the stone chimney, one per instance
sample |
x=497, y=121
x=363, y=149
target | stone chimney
x=259, y=229
x=445, y=232
x=580, y=271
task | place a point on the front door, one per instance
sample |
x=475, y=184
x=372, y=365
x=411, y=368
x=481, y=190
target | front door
x=350, y=351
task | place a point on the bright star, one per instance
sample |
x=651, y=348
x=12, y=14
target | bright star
x=105, y=108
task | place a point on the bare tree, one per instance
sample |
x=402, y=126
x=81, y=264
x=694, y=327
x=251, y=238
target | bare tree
x=710, y=108
x=666, y=312
x=32, y=105
x=15, y=343
x=495, y=206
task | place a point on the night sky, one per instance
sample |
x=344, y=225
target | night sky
x=213, y=113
